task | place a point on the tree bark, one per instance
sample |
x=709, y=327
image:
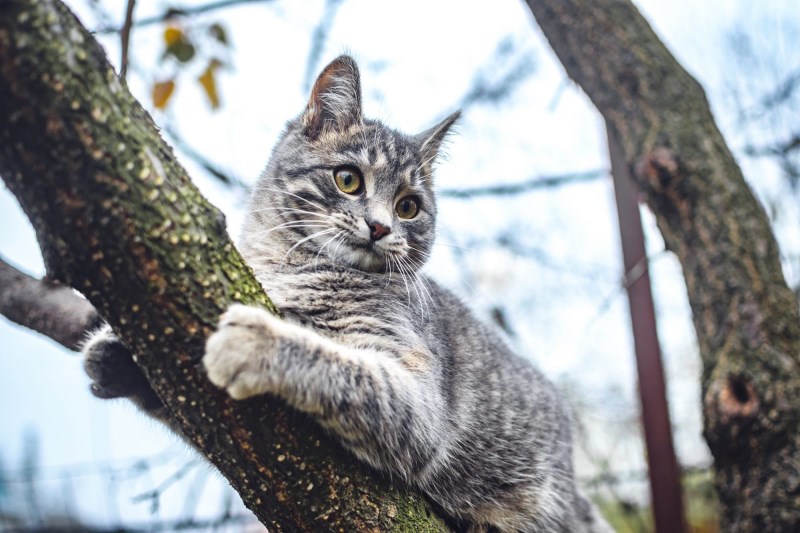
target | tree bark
x=745, y=315
x=118, y=219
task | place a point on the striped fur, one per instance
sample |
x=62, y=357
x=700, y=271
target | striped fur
x=389, y=362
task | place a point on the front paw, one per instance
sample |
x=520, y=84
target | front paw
x=109, y=363
x=239, y=356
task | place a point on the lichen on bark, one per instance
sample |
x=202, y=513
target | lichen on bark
x=118, y=218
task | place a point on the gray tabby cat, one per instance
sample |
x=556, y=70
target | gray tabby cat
x=398, y=369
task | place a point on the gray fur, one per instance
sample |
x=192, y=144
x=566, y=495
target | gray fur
x=392, y=364
x=388, y=361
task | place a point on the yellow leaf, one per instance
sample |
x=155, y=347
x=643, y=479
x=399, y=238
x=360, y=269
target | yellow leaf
x=209, y=83
x=172, y=35
x=162, y=91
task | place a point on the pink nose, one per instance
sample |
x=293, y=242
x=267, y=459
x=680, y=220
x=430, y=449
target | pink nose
x=378, y=230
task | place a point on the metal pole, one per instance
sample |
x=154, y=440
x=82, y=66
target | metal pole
x=665, y=485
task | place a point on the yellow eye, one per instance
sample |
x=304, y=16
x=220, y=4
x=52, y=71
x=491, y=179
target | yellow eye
x=407, y=207
x=347, y=179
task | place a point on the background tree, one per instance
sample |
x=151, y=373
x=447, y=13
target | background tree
x=745, y=315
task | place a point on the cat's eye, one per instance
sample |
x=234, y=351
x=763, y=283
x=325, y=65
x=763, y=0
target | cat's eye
x=348, y=179
x=407, y=207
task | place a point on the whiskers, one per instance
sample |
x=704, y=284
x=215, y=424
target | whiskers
x=312, y=219
x=415, y=282
x=338, y=235
x=305, y=239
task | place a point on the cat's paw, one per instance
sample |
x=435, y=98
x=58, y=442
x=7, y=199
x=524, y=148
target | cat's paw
x=109, y=363
x=239, y=355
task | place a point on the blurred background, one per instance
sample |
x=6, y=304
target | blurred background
x=528, y=231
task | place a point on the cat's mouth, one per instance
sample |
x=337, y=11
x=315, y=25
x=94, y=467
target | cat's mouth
x=361, y=254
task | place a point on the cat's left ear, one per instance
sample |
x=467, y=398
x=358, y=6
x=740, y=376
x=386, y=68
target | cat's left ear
x=335, y=101
x=430, y=141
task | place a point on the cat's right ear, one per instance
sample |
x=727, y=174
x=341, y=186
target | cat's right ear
x=335, y=101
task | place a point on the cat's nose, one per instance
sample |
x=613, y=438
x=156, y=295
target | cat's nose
x=377, y=231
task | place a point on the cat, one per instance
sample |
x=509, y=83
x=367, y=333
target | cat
x=394, y=366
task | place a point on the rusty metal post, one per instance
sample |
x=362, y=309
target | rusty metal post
x=665, y=483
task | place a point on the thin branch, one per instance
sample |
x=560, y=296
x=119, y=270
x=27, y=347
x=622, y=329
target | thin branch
x=48, y=307
x=179, y=12
x=207, y=165
x=540, y=182
x=318, y=39
x=487, y=90
x=778, y=149
x=780, y=95
x=210, y=524
x=125, y=37
x=154, y=494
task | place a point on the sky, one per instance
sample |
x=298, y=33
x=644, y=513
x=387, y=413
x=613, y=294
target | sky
x=561, y=292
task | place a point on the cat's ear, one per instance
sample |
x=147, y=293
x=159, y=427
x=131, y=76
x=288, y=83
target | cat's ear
x=430, y=141
x=335, y=101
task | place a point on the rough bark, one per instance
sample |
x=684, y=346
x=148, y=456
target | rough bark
x=118, y=219
x=745, y=316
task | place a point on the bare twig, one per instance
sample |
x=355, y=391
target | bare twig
x=773, y=100
x=125, y=37
x=209, y=166
x=318, y=39
x=540, y=182
x=180, y=12
x=155, y=494
x=782, y=148
x=50, y=308
x=488, y=89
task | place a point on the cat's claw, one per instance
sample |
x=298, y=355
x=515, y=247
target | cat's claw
x=236, y=354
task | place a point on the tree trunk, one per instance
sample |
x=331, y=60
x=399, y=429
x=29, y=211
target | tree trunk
x=745, y=316
x=118, y=219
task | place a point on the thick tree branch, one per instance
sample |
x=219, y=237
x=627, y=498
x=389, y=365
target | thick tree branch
x=117, y=218
x=745, y=316
x=48, y=307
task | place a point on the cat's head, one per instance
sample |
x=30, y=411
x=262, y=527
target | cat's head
x=346, y=187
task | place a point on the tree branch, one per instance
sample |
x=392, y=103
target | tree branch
x=216, y=171
x=318, y=40
x=180, y=12
x=48, y=307
x=125, y=38
x=745, y=316
x=515, y=68
x=117, y=218
x=540, y=182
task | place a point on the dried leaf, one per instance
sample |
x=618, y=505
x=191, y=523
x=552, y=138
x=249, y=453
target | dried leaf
x=162, y=91
x=218, y=32
x=181, y=50
x=209, y=83
x=173, y=34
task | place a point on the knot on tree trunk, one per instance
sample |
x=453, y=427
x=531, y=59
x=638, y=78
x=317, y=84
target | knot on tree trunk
x=659, y=168
x=732, y=408
x=737, y=398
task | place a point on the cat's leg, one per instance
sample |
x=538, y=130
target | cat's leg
x=109, y=363
x=383, y=412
